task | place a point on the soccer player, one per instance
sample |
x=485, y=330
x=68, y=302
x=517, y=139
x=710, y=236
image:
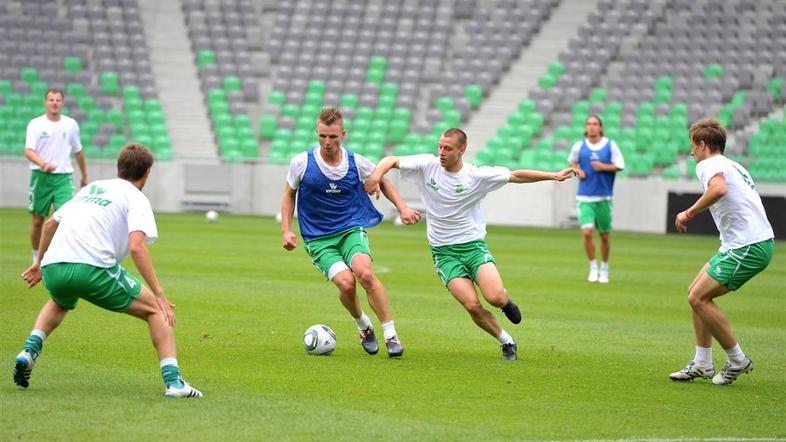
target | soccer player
x=81, y=248
x=452, y=192
x=596, y=160
x=333, y=214
x=51, y=140
x=746, y=249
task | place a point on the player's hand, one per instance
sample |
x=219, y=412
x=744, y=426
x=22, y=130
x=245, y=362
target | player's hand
x=49, y=167
x=166, y=309
x=564, y=174
x=598, y=166
x=579, y=173
x=371, y=186
x=681, y=222
x=409, y=216
x=32, y=275
x=289, y=240
x=83, y=182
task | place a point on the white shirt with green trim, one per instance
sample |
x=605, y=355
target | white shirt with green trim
x=54, y=141
x=94, y=225
x=739, y=215
x=452, y=199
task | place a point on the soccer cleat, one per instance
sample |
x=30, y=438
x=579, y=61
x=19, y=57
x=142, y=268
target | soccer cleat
x=181, y=389
x=728, y=373
x=512, y=311
x=603, y=277
x=691, y=372
x=395, y=349
x=593, y=275
x=23, y=367
x=368, y=339
x=509, y=351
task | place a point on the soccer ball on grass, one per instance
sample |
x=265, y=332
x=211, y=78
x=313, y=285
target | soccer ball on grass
x=211, y=216
x=319, y=339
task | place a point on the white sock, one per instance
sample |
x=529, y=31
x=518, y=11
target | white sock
x=168, y=361
x=35, y=255
x=505, y=338
x=39, y=333
x=604, y=266
x=363, y=322
x=735, y=355
x=389, y=330
x=593, y=266
x=703, y=356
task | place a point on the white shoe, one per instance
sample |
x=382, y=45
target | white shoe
x=186, y=391
x=728, y=374
x=603, y=278
x=691, y=372
x=593, y=275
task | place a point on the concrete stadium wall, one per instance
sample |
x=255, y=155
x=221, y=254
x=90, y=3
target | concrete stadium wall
x=640, y=204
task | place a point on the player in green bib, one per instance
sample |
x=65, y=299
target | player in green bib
x=747, y=242
x=452, y=191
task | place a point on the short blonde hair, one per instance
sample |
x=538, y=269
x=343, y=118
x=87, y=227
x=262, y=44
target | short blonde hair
x=330, y=116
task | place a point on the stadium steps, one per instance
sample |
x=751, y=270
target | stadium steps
x=523, y=75
x=176, y=75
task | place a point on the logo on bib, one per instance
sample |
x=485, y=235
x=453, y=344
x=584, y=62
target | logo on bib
x=333, y=188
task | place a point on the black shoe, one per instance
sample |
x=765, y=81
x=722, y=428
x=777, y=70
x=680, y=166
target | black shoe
x=509, y=351
x=369, y=340
x=395, y=349
x=512, y=311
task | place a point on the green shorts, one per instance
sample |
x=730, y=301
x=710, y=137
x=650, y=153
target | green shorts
x=337, y=250
x=460, y=260
x=735, y=267
x=113, y=288
x=47, y=189
x=597, y=214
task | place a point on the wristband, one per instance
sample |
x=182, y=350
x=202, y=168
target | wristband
x=688, y=214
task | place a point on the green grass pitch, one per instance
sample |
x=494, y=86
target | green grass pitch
x=593, y=360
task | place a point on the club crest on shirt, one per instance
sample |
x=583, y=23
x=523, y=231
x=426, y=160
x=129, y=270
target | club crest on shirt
x=332, y=188
x=459, y=188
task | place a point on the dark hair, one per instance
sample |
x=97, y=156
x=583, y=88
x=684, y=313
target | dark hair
x=330, y=116
x=133, y=162
x=459, y=134
x=54, y=91
x=599, y=122
x=711, y=132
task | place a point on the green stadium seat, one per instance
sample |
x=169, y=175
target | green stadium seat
x=110, y=83
x=276, y=98
x=375, y=76
x=547, y=81
x=231, y=83
x=713, y=70
x=474, y=94
x=349, y=101
x=28, y=74
x=556, y=68
x=72, y=64
x=131, y=92
x=444, y=104
x=316, y=87
x=206, y=57
x=267, y=126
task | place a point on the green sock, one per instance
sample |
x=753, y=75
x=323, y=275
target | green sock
x=171, y=375
x=34, y=344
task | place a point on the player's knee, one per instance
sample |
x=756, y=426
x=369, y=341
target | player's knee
x=38, y=222
x=345, y=283
x=695, y=300
x=498, y=297
x=587, y=234
x=366, y=277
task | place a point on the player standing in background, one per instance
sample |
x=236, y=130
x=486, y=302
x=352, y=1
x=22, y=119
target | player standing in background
x=50, y=141
x=456, y=228
x=333, y=213
x=81, y=249
x=747, y=242
x=596, y=160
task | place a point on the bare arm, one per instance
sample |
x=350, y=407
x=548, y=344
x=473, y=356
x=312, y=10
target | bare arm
x=605, y=167
x=80, y=159
x=372, y=181
x=407, y=215
x=288, y=238
x=33, y=156
x=33, y=274
x=716, y=189
x=144, y=263
x=531, y=176
x=578, y=171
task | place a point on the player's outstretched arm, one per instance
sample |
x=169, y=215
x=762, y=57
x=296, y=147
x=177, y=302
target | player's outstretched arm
x=530, y=176
x=407, y=215
x=716, y=189
x=578, y=171
x=371, y=185
x=288, y=237
x=137, y=248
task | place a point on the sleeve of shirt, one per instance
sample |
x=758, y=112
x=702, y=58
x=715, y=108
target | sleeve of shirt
x=76, y=141
x=365, y=166
x=493, y=177
x=297, y=168
x=30, y=137
x=411, y=166
x=706, y=170
x=573, y=156
x=141, y=218
x=616, y=156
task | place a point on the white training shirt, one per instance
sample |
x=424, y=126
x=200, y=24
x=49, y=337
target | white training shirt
x=616, y=159
x=54, y=141
x=452, y=199
x=94, y=225
x=739, y=215
x=297, y=167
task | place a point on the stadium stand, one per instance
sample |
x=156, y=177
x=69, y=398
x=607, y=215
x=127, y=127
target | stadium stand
x=96, y=52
